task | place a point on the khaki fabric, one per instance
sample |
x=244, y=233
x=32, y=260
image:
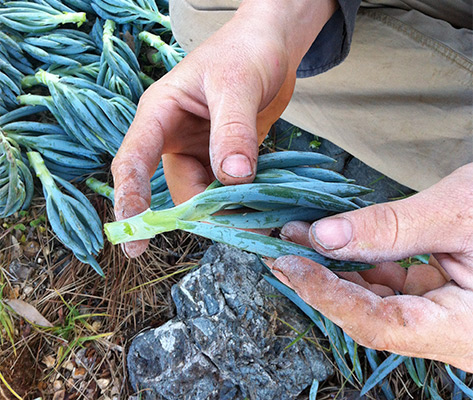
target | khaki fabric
x=402, y=101
x=457, y=12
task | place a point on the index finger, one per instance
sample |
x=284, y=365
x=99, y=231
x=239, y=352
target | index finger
x=409, y=325
x=135, y=163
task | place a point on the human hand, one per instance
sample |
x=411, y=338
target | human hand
x=434, y=317
x=207, y=117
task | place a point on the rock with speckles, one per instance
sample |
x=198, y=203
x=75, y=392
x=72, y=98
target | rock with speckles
x=227, y=341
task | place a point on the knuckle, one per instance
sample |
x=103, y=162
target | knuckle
x=234, y=127
x=390, y=327
x=383, y=225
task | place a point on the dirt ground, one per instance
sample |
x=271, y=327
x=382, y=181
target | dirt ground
x=93, y=318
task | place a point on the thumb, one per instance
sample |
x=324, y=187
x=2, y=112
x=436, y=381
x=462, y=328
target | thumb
x=233, y=136
x=437, y=220
x=242, y=109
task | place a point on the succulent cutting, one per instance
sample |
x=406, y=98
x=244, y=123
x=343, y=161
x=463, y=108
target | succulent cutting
x=277, y=196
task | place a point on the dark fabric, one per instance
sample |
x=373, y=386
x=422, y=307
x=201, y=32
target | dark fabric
x=333, y=43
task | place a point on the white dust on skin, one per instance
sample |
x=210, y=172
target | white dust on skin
x=394, y=323
x=321, y=288
x=297, y=231
x=132, y=196
x=133, y=192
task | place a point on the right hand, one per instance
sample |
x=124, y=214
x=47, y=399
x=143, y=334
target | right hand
x=433, y=318
x=207, y=117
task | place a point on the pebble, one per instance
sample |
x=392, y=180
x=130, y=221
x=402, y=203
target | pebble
x=31, y=249
x=57, y=385
x=22, y=272
x=28, y=290
x=103, y=383
x=59, y=395
x=16, y=248
x=69, y=366
x=79, y=373
x=49, y=361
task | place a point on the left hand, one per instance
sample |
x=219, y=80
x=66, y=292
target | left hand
x=434, y=316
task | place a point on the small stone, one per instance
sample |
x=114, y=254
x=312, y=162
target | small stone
x=22, y=272
x=115, y=391
x=16, y=251
x=68, y=365
x=49, y=361
x=79, y=373
x=31, y=249
x=96, y=325
x=28, y=290
x=103, y=383
x=59, y=395
x=57, y=385
x=86, y=357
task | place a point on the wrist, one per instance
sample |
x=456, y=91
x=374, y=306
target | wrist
x=294, y=24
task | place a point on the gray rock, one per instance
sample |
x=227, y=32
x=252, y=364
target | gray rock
x=227, y=340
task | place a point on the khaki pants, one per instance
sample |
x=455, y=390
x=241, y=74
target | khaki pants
x=402, y=101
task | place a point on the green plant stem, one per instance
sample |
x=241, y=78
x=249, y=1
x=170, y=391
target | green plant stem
x=152, y=40
x=143, y=226
x=100, y=188
x=71, y=18
x=42, y=173
x=33, y=100
x=29, y=81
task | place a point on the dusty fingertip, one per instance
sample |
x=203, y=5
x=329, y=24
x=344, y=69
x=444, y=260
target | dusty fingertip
x=283, y=264
x=281, y=277
x=296, y=231
x=381, y=290
x=296, y=269
x=130, y=205
x=135, y=249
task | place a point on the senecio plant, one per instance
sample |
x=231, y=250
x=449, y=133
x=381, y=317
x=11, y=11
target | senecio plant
x=65, y=47
x=11, y=51
x=71, y=215
x=10, y=85
x=23, y=16
x=134, y=11
x=168, y=54
x=63, y=156
x=277, y=196
x=119, y=67
x=16, y=182
x=94, y=116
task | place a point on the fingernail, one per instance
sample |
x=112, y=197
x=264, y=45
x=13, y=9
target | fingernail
x=284, y=237
x=122, y=245
x=333, y=233
x=237, y=166
x=281, y=277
